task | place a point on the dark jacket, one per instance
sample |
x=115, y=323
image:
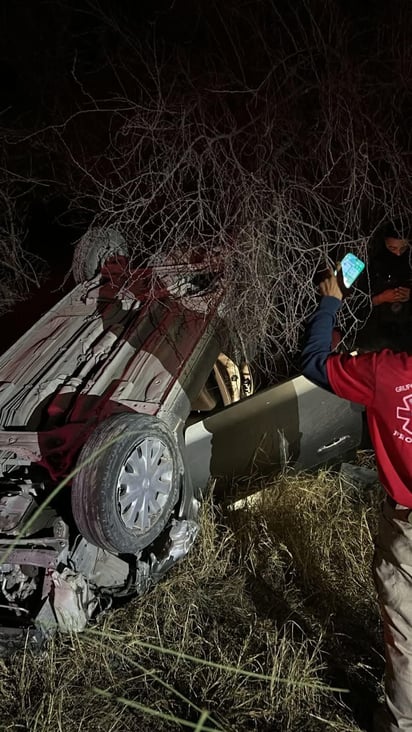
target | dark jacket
x=387, y=271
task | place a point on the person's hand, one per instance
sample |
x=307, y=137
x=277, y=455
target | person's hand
x=330, y=286
x=395, y=294
x=404, y=294
x=389, y=295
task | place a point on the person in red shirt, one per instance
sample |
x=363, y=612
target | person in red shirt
x=382, y=382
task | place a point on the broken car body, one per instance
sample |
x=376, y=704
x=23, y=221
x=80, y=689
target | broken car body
x=116, y=408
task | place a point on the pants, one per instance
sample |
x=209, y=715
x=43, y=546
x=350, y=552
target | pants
x=393, y=577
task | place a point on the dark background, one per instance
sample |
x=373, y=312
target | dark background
x=318, y=93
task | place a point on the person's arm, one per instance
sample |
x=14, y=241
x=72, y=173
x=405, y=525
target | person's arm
x=394, y=294
x=381, y=291
x=318, y=340
x=349, y=377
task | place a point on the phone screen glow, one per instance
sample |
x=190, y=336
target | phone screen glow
x=352, y=266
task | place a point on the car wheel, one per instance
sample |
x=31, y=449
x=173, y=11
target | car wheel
x=128, y=483
x=247, y=386
x=234, y=382
x=94, y=248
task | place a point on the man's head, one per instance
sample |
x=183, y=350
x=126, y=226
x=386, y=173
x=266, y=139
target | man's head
x=396, y=238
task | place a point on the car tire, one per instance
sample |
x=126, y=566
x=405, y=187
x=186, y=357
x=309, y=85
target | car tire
x=234, y=382
x=128, y=483
x=93, y=249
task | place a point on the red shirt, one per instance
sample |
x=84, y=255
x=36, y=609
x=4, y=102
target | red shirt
x=383, y=383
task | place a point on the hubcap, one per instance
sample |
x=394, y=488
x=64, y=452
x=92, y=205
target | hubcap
x=144, y=485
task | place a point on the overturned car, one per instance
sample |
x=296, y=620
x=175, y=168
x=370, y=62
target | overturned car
x=116, y=408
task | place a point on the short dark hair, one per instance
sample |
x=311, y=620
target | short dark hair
x=397, y=229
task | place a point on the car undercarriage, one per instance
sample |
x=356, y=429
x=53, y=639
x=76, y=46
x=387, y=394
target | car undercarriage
x=116, y=409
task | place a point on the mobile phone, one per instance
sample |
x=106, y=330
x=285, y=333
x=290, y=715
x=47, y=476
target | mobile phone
x=351, y=267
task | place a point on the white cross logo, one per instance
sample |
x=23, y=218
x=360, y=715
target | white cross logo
x=405, y=414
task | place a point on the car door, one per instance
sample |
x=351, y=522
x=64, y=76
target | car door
x=294, y=423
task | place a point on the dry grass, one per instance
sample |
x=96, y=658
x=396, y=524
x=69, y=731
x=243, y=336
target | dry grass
x=278, y=142
x=272, y=610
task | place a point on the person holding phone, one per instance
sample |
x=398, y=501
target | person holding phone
x=382, y=382
x=391, y=270
x=390, y=281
